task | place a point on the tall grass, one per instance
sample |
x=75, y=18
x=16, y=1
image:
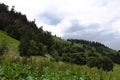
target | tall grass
x=41, y=68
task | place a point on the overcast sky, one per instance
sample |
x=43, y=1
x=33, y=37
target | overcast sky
x=96, y=20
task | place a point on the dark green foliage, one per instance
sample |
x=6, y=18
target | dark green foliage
x=118, y=50
x=14, y=31
x=23, y=47
x=3, y=7
x=115, y=57
x=103, y=63
x=79, y=58
x=29, y=46
x=93, y=54
x=1, y=24
x=11, y=18
x=48, y=41
x=33, y=48
x=107, y=64
x=91, y=61
x=76, y=49
x=66, y=57
x=79, y=41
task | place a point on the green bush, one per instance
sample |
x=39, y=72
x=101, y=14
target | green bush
x=79, y=58
x=104, y=63
x=90, y=62
x=107, y=64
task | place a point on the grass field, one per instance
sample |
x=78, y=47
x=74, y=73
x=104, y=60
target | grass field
x=41, y=68
x=12, y=43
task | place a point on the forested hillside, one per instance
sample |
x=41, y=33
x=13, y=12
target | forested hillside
x=34, y=41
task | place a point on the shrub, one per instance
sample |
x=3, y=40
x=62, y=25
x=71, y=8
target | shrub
x=79, y=58
x=90, y=62
x=104, y=63
x=107, y=64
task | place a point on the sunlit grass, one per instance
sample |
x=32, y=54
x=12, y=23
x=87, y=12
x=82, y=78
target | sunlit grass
x=12, y=43
x=41, y=68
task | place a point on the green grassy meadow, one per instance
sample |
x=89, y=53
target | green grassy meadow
x=12, y=43
x=42, y=68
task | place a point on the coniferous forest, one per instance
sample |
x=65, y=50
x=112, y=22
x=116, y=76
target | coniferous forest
x=39, y=55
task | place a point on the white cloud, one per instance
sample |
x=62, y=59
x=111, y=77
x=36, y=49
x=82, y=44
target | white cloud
x=116, y=26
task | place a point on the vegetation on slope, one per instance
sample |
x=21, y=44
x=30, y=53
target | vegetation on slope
x=12, y=43
x=35, y=42
x=41, y=68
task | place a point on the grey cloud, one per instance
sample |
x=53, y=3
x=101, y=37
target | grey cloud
x=113, y=43
x=50, y=18
x=79, y=31
x=104, y=36
x=76, y=27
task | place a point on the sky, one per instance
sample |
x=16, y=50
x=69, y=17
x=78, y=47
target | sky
x=94, y=20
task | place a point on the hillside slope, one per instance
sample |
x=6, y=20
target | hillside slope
x=12, y=43
x=34, y=41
